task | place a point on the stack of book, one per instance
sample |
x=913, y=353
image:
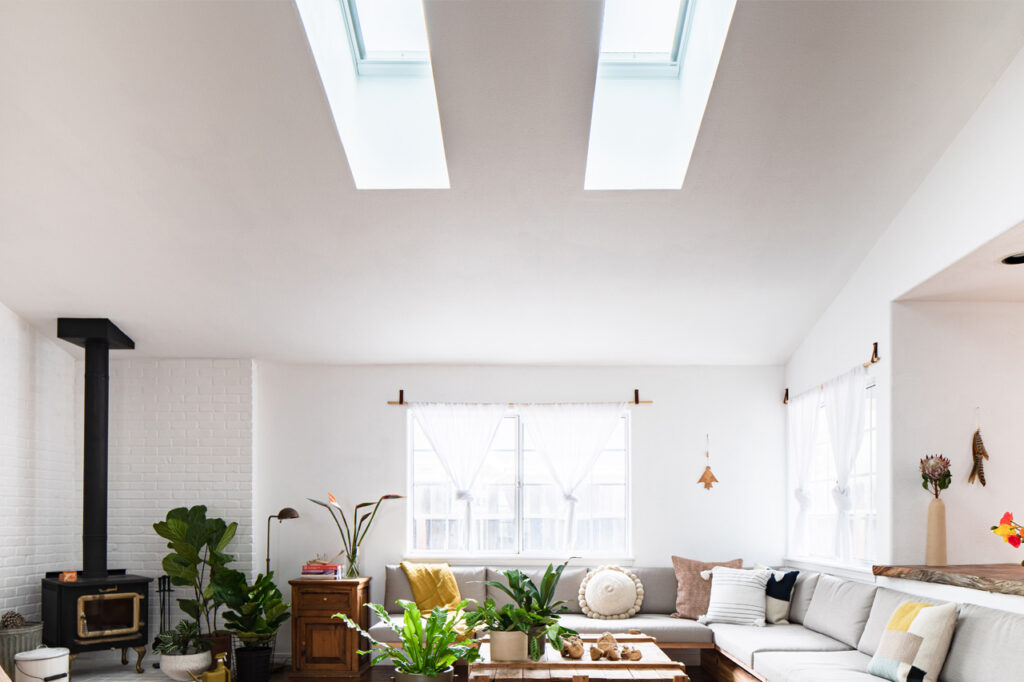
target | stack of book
x=327, y=571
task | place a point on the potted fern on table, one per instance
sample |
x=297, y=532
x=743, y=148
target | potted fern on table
x=431, y=644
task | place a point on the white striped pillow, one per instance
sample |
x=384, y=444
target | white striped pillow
x=737, y=596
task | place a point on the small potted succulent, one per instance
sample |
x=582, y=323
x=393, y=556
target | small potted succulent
x=430, y=645
x=183, y=651
x=257, y=613
x=535, y=609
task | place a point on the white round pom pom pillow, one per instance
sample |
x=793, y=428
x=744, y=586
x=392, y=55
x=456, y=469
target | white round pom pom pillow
x=611, y=593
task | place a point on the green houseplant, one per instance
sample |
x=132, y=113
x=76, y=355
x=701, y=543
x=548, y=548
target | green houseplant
x=198, y=560
x=508, y=627
x=257, y=612
x=352, y=535
x=430, y=645
x=183, y=651
x=537, y=605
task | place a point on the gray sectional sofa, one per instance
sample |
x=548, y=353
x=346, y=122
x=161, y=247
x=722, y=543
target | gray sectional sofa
x=835, y=626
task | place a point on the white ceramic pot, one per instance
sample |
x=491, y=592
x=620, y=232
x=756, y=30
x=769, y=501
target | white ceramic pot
x=178, y=666
x=508, y=646
x=443, y=676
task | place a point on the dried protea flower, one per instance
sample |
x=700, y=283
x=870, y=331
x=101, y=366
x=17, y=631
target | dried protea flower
x=934, y=466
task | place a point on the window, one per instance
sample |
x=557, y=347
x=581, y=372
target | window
x=517, y=510
x=645, y=39
x=387, y=37
x=821, y=511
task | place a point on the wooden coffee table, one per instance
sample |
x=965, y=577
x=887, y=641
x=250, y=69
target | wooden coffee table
x=654, y=665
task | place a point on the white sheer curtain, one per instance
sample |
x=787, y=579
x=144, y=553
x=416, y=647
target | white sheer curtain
x=802, y=435
x=461, y=435
x=844, y=399
x=569, y=438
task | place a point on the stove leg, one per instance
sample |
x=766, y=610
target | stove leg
x=124, y=655
x=141, y=651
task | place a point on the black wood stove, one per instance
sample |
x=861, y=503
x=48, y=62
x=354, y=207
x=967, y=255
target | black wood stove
x=100, y=608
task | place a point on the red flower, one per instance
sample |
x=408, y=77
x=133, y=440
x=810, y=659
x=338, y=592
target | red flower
x=1007, y=519
x=1014, y=540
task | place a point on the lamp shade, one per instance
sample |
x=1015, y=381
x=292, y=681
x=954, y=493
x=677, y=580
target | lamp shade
x=287, y=513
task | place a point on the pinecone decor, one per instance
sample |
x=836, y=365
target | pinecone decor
x=11, y=619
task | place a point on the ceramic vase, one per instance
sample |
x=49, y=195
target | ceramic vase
x=935, y=547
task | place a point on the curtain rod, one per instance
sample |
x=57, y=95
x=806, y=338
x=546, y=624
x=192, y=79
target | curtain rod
x=874, y=358
x=635, y=401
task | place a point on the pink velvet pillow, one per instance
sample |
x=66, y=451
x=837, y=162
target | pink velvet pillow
x=694, y=592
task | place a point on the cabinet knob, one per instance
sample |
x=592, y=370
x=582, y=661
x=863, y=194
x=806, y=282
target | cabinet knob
x=325, y=598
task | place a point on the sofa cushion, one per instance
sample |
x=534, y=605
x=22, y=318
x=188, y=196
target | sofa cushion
x=840, y=608
x=802, y=593
x=807, y=666
x=662, y=627
x=742, y=641
x=611, y=593
x=567, y=590
x=914, y=644
x=695, y=592
x=660, y=589
x=986, y=646
x=737, y=596
x=468, y=578
x=882, y=608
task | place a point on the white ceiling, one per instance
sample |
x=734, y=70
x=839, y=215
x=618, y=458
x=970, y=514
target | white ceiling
x=980, y=275
x=174, y=166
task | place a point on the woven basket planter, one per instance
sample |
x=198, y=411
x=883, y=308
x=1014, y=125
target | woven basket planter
x=15, y=640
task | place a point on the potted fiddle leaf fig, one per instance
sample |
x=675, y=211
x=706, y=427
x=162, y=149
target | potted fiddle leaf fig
x=198, y=560
x=430, y=645
x=255, y=617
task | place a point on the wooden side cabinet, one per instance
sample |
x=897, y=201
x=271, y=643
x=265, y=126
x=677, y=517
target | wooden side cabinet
x=324, y=647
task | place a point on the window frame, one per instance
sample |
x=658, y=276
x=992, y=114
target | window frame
x=656, y=65
x=390, y=64
x=520, y=555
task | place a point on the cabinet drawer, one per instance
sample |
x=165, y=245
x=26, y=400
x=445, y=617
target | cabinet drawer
x=326, y=600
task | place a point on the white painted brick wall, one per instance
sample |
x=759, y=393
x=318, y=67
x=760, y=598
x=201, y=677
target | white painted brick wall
x=40, y=469
x=180, y=435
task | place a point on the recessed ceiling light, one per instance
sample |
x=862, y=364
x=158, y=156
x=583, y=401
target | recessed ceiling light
x=1014, y=259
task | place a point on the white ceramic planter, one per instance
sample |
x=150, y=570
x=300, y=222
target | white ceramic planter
x=443, y=676
x=177, y=667
x=508, y=646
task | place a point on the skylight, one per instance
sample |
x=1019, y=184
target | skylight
x=647, y=33
x=657, y=64
x=374, y=63
x=387, y=37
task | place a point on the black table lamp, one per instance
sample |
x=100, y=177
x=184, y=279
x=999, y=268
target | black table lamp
x=286, y=513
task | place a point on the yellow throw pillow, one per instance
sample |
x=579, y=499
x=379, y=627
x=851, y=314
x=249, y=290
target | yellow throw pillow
x=432, y=585
x=915, y=642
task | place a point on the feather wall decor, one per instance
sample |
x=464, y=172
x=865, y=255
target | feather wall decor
x=979, y=454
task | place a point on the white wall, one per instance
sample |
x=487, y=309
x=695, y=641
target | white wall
x=40, y=470
x=327, y=429
x=971, y=195
x=180, y=435
x=950, y=358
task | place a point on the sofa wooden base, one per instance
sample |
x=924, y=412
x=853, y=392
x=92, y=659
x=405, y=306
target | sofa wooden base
x=724, y=668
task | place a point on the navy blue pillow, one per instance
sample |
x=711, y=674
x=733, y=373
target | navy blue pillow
x=779, y=593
